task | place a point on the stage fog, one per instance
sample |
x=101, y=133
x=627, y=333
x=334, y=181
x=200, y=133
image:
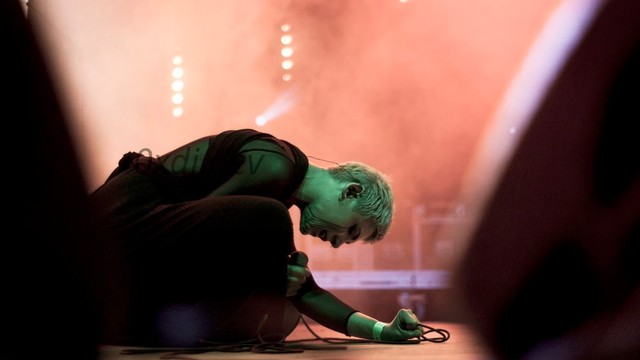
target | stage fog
x=409, y=87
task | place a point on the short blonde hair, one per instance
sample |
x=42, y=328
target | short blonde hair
x=376, y=200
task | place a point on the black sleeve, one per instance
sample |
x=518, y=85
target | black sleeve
x=261, y=172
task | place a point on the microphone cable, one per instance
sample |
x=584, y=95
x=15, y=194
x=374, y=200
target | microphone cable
x=277, y=343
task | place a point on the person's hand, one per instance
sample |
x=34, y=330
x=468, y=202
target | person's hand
x=146, y=164
x=297, y=272
x=403, y=327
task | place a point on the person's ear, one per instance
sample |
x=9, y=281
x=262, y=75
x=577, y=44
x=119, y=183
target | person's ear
x=353, y=190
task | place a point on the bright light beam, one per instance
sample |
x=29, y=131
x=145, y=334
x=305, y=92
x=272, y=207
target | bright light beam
x=282, y=104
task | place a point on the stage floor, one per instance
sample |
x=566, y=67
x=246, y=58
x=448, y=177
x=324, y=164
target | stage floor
x=462, y=345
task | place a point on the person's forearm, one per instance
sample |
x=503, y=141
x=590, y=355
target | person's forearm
x=361, y=325
x=322, y=306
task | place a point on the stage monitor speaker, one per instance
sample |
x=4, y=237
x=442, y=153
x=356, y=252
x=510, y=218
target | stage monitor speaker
x=552, y=267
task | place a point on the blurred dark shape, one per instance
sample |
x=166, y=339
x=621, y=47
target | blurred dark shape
x=553, y=270
x=59, y=288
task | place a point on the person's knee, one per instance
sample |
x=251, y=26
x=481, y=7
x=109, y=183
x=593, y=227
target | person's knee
x=270, y=217
x=272, y=211
x=257, y=221
x=257, y=218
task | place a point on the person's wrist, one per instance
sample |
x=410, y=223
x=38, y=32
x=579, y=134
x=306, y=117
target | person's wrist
x=377, y=330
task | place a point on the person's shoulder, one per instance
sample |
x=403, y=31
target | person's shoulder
x=267, y=144
x=247, y=131
x=270, y=158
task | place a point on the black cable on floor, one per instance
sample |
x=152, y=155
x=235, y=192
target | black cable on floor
x=280, y=346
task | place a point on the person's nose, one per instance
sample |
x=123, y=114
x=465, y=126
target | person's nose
x=337, y=239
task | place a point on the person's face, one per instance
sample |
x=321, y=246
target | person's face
x=335, y=221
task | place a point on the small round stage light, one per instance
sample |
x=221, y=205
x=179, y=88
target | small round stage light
x=287, y=51
x=177, y=85
x=286, y=39
x=287, y=64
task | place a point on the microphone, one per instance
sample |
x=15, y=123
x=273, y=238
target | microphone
x=298, y=258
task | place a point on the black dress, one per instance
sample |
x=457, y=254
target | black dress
x=204, y=265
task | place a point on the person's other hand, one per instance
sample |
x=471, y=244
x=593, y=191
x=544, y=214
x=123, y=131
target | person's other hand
x=297, y=272
x=146, y=164
x=403, y=327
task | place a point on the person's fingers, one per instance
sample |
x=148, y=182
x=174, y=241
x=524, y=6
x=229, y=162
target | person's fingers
x=293, y=279
x=408, y=320
x=299, y=277
x=410, y=326
x=293, y=286
x=305, y=271
x=298, y=271
x=296, y=276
